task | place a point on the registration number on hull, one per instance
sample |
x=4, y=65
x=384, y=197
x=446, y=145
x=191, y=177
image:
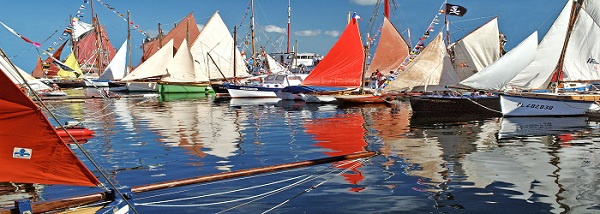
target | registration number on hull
x=535, y=106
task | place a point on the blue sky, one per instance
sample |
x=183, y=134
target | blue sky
x=315, y=24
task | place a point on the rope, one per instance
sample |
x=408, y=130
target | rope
x=476, y=103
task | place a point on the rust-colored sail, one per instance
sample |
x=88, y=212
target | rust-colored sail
x=31, y=151
x=186, y=29
x=343, y=65
x=391, y=50
x=47, y=65
x=342, y=134
x=87, y=56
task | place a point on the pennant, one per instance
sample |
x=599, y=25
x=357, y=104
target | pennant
x=62, y=65
x=36, y=44
x=455, y=10
x=356, y=16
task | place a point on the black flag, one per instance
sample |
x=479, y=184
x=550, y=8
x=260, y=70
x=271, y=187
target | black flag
x=455, y=10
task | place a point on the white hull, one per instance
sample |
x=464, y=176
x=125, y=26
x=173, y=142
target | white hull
x=520, y=106
x=142, y=86
x=250, y=93
x=96, y=83
x=311, y=98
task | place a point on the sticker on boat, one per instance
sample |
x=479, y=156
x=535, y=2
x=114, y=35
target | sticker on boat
x=22, y=153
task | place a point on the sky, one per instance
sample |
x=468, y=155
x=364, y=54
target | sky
x=315, y=24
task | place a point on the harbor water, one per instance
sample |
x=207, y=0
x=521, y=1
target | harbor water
x=424, y=164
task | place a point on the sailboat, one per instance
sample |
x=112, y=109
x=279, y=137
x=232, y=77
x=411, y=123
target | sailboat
x=185, y=29
x=115, y=71
x=152, y=69
x=391, y=52
x=216, y=57
x=180, y=75
x=573, y=35
x=339, y=72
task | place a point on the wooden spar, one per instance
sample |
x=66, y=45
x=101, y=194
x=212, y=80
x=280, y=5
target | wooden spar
x=48, y=206
x=247, y=172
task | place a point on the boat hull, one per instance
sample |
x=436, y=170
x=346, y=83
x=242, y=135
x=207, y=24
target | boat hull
x=220, y=89
x=545, y=105
x=249, y=91
x=182, y=88
x=142, y=86
x=362, y=98
x=451, y=105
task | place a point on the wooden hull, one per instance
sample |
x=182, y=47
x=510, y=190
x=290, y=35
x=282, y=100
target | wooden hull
x=450, y=105
x=547, y=104
x=182, y=88
x=362, y=98
x=69, y=83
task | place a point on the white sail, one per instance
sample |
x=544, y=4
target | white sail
x=117, y=68
x=582, y=58
x=497, y=75
x=12, y=71
x=80, y=28
x=181, y=67
x=477, y=50
x=155, y=66
x=537, y=74
x=216, y=42
x=274, y=66
x=431, y=67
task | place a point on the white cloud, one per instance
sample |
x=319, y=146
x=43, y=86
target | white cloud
x=332, y=33
x=275, y=29
x=307, y=33
x=364, y=2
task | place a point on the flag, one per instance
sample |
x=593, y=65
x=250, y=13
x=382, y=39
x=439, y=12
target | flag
x=356, y=16
x=455, y=10
x=36, y=44
x=62, y=65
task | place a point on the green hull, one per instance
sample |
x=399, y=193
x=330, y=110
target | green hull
x=166, y=97
x=165, y=88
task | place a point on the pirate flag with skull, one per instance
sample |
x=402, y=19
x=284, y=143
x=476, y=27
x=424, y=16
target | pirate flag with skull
x=455, y=10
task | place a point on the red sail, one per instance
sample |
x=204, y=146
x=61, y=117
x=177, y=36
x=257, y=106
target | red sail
x=47, y=65
x=343, y=65
x=391, y=50
x=186, y=29
x=343, y=135
x=87, y=54
x=31, y=150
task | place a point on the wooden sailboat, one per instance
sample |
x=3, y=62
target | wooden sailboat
x=180, y=76
x=560, y=74
x=391, y=52
x=216, y=57
x=339, y=72
x=152, y=69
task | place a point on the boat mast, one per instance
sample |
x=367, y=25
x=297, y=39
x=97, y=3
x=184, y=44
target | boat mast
x=99, y=51
x=252, y=34
x=129, y=67
x=289, y=25
x=386, y=9
x=234, y=54
x=558, y=72
x=447, y=24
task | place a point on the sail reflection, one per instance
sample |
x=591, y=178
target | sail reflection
x=342, y=134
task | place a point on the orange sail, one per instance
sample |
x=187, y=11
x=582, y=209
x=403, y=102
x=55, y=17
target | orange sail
x=343, y=135
x=391, y=50
x=31, y=150
x=186, y=29
x=87, y=54
x=343, y=65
